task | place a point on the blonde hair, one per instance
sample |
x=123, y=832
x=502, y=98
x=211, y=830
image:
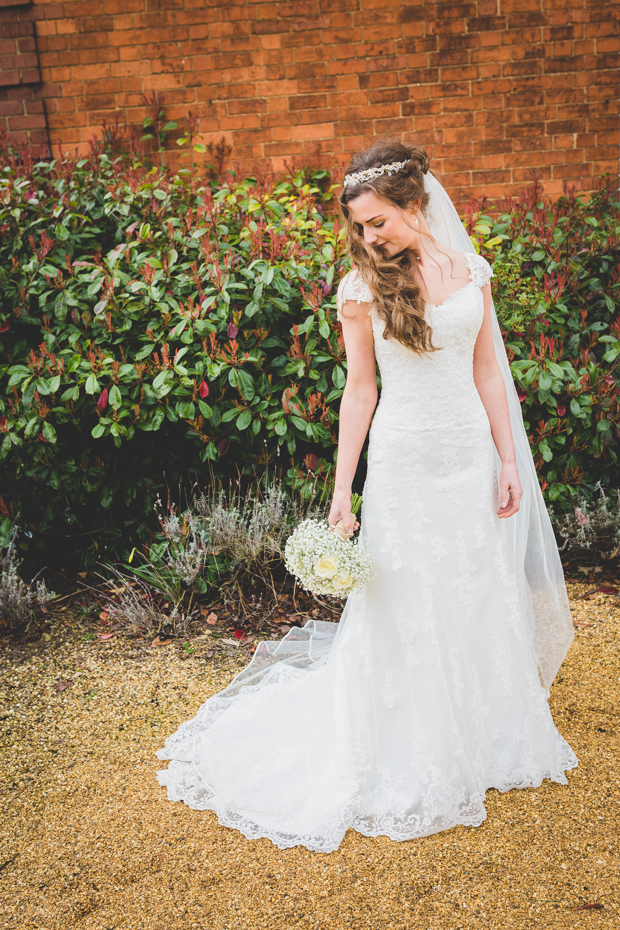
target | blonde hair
x=396, y=296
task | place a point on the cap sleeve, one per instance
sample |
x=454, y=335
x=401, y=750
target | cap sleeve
x=481, y=271
x=352, y=287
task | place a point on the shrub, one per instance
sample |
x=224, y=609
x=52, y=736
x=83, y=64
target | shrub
x=557, y=290
x=150, y=328
x=18, y=600
x=224, y=539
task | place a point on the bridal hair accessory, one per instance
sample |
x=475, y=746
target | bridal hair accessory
x=370, y=173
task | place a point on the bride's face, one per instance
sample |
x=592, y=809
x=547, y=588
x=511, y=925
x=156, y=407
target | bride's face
x=384, y=225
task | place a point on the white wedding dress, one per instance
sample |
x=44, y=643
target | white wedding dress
x=396, y=720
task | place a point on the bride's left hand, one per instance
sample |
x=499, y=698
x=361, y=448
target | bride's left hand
x=510, y=492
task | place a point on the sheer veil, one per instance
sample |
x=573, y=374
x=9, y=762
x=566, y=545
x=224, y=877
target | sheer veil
x=536, y=561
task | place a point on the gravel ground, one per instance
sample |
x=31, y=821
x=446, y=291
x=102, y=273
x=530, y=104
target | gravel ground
x=90, y=841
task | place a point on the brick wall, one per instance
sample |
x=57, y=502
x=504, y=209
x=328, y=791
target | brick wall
x=22, y=112
x=498, y=90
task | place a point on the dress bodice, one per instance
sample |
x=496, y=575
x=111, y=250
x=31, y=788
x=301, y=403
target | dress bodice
x=433, y=390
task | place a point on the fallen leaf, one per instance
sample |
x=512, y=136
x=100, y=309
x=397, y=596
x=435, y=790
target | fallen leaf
x=45, y=637
x=160, y=642
x=212, y=618
x=585, y=594
x=607, y=589
x=104, y=615
x=239, y=634
x=230, y=642
x=285, y=628
x=81, y=574
x=209, y=654
x=589, y=907
x=105, y=636
x=62, y=685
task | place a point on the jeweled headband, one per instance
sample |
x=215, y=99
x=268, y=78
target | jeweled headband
x=371, y=173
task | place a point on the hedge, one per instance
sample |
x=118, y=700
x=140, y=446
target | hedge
x=154, y=332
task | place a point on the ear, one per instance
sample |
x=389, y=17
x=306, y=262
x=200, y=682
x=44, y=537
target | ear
x=415, y=205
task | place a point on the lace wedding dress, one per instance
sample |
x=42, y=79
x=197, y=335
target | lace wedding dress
x=396, y=720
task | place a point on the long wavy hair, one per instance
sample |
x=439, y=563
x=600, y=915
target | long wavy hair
x=397, y=297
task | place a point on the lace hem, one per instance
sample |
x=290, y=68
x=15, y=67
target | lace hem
x=181, y=780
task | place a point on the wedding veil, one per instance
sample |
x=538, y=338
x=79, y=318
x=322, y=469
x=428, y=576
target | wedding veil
x=536, y=561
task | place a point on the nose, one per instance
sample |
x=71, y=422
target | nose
x=369, y=235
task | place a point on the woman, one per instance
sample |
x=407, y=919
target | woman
x=433, y=686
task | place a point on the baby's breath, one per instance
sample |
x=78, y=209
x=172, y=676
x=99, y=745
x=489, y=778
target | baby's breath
x=324, y=563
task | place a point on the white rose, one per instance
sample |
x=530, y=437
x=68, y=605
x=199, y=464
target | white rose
x=326, y=567
x=342, y=581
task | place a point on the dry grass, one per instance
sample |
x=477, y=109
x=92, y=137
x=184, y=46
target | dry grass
x=90, y=841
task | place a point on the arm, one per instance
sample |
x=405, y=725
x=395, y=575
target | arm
x=356, y=407
x=490, y=385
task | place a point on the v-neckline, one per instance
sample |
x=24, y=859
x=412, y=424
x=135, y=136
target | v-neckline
x=458, y=290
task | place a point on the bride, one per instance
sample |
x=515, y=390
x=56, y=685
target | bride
x=433, y=687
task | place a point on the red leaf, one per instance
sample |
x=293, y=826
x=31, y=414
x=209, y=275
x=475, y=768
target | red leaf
x=312, y=461
x=160, y=642
x=212, y=619
x=204, y=390
x=607, y=589
x=104, y=615
x=4, y=326
x=105, y=636
x=239, y=634
x=521, y=394
x=62, y=685
x=222, y=446
x=41, y=437
x=561, y=410
x=590, y=907
x=232, y=331
x=102, y=403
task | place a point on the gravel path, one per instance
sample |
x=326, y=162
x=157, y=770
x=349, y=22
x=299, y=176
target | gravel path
x=90, y=841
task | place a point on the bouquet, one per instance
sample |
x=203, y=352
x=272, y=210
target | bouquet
x=326, y=562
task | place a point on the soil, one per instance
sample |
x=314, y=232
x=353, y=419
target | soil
x=89, y=839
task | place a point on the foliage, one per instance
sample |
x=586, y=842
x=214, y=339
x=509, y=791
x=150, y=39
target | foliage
x=592, y=530
x=148, y=329
x=18, y=600
x=152, y=327
x=225, y=540
x=557, y=291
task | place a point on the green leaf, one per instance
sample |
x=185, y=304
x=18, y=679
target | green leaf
x=92, y=385
x=545, y=451
x=245, y=383
x=114, y=397
x=72, y=393
x=339, y=377
x=161, y=377
x=281, y=427
x=244, y=419
x=49, y=432
x=545, y=381
x=539, y=255
x=98, y=431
